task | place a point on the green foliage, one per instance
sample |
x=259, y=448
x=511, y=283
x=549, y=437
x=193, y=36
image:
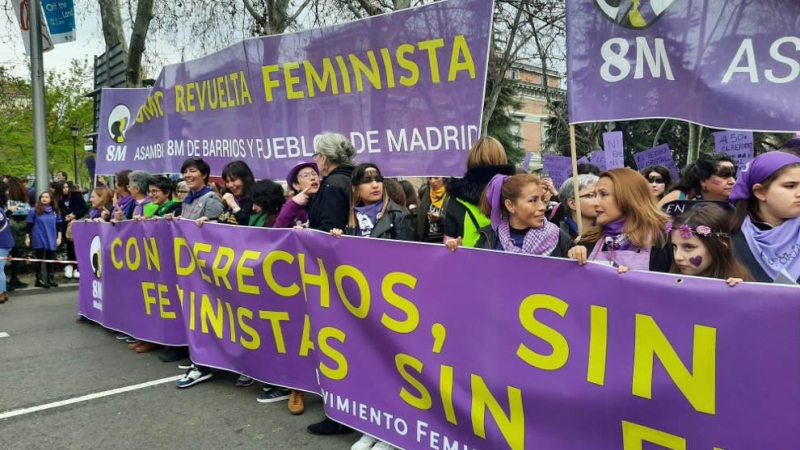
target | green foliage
x=65, y=105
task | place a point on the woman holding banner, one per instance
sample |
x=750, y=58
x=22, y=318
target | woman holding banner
x=463, y=218
x=239, y=181
x=711, y=178
x=766, y=222
x=630, y=229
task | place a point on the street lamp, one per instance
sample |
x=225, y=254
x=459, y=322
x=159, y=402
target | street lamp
x=75, y=130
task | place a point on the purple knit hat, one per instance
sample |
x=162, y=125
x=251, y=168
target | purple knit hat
x=759, y=170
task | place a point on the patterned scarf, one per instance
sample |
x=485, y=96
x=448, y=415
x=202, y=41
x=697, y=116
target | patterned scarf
x=437, y=196
x=778, y=249
x=538, y=241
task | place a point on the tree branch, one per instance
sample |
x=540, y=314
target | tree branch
x=144, y=14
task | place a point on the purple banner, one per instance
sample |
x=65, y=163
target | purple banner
x=546, y=363
x=708, y=62
x=558, y=168
x=598, y=158
x=660, y=155
x=736, y=144
x=614, y=150
x=406, y=88
x=584, y=160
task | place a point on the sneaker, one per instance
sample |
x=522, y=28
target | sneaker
x=185, y=365
x=131, y=340
x=274, y=395
x=365, y=443
x=244, y=381
x=382, y=446
x=296, y=404
x=122, y=337
x=68, y=271
x=194, y=376
x=76, y=275
x=328, y=427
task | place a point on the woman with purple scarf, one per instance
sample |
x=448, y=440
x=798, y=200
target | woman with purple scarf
x=517, y=209
x=766, y=223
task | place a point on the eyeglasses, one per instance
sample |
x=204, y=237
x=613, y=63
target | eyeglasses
x=370, y=179
x=182, y=191
x=316, y=155
x=726, y=172
x=589, y=195
x=307, y=175
x=154, y=192
x=655, y=180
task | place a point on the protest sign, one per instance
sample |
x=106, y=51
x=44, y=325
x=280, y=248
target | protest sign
x=491, y=363
x=599, y=159
x=405, y=88
x=526, y=163
x=614, y=150
x=641, y=60
x=661, y=156
x=736, y=144
x=583, y=160
x=558, y=168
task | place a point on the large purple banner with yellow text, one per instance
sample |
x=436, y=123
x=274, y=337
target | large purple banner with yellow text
x=730, y=64
x=474, y=349
x=405, y=88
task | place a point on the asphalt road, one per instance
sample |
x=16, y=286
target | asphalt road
x=48, y=358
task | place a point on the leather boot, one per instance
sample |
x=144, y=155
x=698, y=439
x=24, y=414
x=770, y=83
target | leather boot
x=40, y=282
x=51, y=276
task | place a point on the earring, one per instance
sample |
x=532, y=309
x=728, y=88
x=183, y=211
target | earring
x=513, y=211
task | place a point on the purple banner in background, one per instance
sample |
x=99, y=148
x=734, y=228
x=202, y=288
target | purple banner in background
x=558, y=168
x=736, y=144
x=614, y=150
x=566, y=357
x=406, y=88
x=598, y=158
x=661, y=156
x=709, y=62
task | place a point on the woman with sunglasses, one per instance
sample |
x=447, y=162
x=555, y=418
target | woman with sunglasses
x=660, y=179
x=710, y=178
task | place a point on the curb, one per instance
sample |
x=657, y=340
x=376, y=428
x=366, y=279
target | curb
x=71, y=287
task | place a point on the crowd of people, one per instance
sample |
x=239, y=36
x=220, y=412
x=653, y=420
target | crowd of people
x=739, y=226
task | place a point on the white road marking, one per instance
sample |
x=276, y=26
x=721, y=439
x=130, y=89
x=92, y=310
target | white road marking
x=71, y=401
x=4, y=334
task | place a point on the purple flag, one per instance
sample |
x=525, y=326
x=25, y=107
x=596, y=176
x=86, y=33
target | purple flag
x=660, y=155
x=614, y=150
x=696, y=61
x=405, y=88
x=736, y=144
x=576, y=357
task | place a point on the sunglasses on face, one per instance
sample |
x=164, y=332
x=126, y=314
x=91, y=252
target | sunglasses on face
x=726, y=172
x=369, y=179
x=655, y=180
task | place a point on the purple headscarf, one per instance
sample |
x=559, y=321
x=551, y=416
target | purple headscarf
x=759, y=170
x=493, y=191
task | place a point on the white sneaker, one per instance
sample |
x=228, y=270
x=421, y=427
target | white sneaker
x=68, y=271
x=382, y=446
x=365, y=443
x=76, y=275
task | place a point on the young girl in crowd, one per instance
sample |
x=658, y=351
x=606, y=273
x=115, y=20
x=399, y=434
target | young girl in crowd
x=701, y=245
x=766, y=222
x=630, y=228
x=516, y=207
x=43, y=235
x=6, y=241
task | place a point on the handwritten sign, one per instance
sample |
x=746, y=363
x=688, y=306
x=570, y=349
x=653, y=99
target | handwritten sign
x=615, y=154
x=559, y=168
x=599, y=159
x=736, y=144
x=657, y=156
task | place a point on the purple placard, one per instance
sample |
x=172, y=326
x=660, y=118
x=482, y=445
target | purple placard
x=598, y=158
x=406, y=88
x=614, y=150
x=635, y=60
x=736, y=144
x=526, y=163
x=583, y=160
x=660, y=155
x=558, y=168
x=672, y=358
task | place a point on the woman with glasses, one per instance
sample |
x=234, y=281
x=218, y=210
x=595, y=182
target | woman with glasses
x=660, y=179
x=334, y=158
x=181, y=189
x=566, y=213
x=304, y=179
x=160, y=192
x=710, y=178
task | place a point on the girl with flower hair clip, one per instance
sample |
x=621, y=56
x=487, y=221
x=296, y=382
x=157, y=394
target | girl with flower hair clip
x=701, y=244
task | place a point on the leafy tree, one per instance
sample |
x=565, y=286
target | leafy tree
x=502, y=122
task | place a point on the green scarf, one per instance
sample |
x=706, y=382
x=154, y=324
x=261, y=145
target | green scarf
x=162, y=210
x=258, y=220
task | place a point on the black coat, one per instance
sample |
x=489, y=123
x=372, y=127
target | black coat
x=330, y=207
x=395, y=224
x=488, y=240
x=77, y=206
x=470, y=188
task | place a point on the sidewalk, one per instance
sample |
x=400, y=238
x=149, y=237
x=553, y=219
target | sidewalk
x=64, y=285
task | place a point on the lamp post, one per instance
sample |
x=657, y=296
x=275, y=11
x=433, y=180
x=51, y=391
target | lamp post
x=75, y=130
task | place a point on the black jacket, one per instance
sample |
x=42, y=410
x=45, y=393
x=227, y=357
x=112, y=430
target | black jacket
x=330, y=207
x=422, y=215
x=470, y=188
x=488, y=240
x=77, y=206
x=394, y=224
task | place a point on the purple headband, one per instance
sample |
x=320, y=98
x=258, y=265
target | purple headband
x=759, y=170
x=493, y=191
